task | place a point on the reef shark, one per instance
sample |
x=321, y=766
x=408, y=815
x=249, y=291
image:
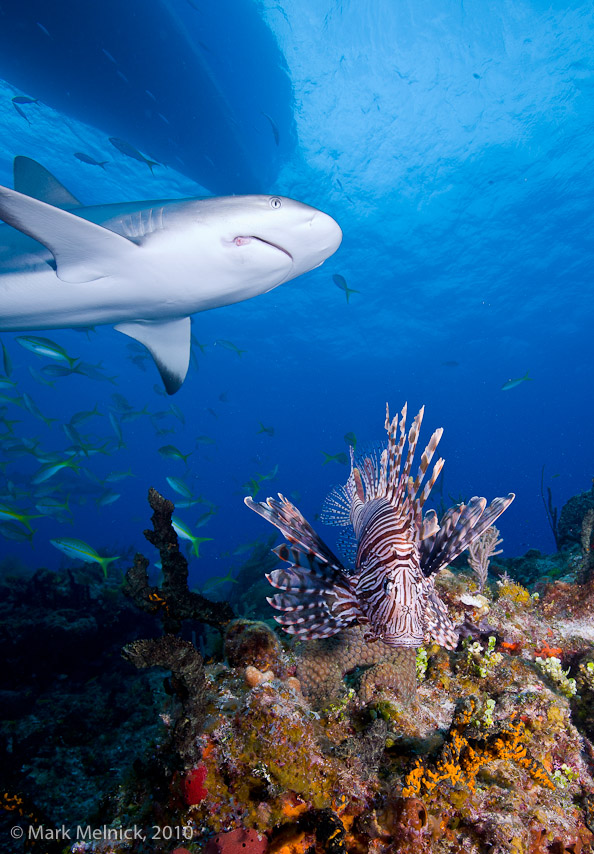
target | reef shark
x=145, y=267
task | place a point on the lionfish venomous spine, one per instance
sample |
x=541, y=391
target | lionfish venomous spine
x=397, y=550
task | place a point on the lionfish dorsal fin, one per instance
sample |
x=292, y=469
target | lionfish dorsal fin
x=413, y=438
x=395, y=453
x=426, y=458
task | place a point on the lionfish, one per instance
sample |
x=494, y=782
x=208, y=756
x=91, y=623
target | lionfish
x=397, y=550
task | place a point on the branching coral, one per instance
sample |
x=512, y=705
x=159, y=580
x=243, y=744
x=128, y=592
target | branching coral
x=463, y=756
x=173, y=600
x=188, y=681
x=481, y=551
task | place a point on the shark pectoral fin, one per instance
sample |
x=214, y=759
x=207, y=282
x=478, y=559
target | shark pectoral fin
x=168, y=342
x=33, y=179
x=83, y=250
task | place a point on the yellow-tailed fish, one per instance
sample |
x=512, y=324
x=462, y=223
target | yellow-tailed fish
x=9, y=514
x=173, y=453
x=182, y=530
x=79, y=550
x=45, y=347
x=180, y=487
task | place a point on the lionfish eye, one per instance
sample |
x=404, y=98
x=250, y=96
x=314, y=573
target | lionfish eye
x=388, y=585
x=275, y=202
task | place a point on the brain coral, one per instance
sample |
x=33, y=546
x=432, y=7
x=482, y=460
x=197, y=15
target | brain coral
x=321, y=665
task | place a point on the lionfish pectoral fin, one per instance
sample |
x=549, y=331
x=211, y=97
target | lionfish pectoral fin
x=438, y=623
x=316, y=596
x=459, y=527
x=429, y=526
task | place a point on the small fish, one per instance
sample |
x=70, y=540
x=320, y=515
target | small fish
x=32, y=407
x=211, y=411
x=6, y=383
x=204, y=440
x=150, y=94
x=396, y=549
x=86, y=158
x=93, y=372
x=6, y=361
x=8, y=514
x=45, y=31
x=263, y=429
x=58, y=371
x=182, y=530
x=39, y=378
x=116, y=476
x=335, y=458
x=351, y=440
x=108, y=55
x=45, y=347
x=49, y=506
x=204, y=518
x=180, y=487
x=22, y=113
x=340, y=282
x=119, y=403
x=24, y=99
x=175, y=410
x=123, y=77
x=223, y=397
x=229, y=345
x=196, y=343
x=50, y=469
x=450, y=363
x=129, y=150
x=512, y=383
x=170, y=452
x=252, y=486
x=107, y=498
x=79, y=550
x=84, y=414
x=133, y=414
x=216, y=580
x=274, y=127
x=116, y=429
x=13, y=531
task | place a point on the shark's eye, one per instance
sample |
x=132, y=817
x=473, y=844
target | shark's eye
x=275, y=202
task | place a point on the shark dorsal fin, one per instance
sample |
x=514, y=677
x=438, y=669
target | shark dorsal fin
x=168, y=342
x=33, y=179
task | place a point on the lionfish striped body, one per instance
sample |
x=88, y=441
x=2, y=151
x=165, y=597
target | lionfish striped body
x=398, y=550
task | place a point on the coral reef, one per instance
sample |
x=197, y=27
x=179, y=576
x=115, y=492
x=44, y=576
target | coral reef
x=172, y=601
x=572, y=517
x=331, y=746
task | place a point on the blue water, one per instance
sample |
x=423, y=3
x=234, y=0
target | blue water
x=452, y=143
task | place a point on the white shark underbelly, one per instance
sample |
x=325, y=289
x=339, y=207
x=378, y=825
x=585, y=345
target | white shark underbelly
x=146, y=267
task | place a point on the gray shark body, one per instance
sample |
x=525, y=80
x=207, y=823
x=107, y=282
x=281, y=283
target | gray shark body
x=145, y=267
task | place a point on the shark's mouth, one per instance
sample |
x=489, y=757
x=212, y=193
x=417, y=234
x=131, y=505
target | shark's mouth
x=242, y=240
